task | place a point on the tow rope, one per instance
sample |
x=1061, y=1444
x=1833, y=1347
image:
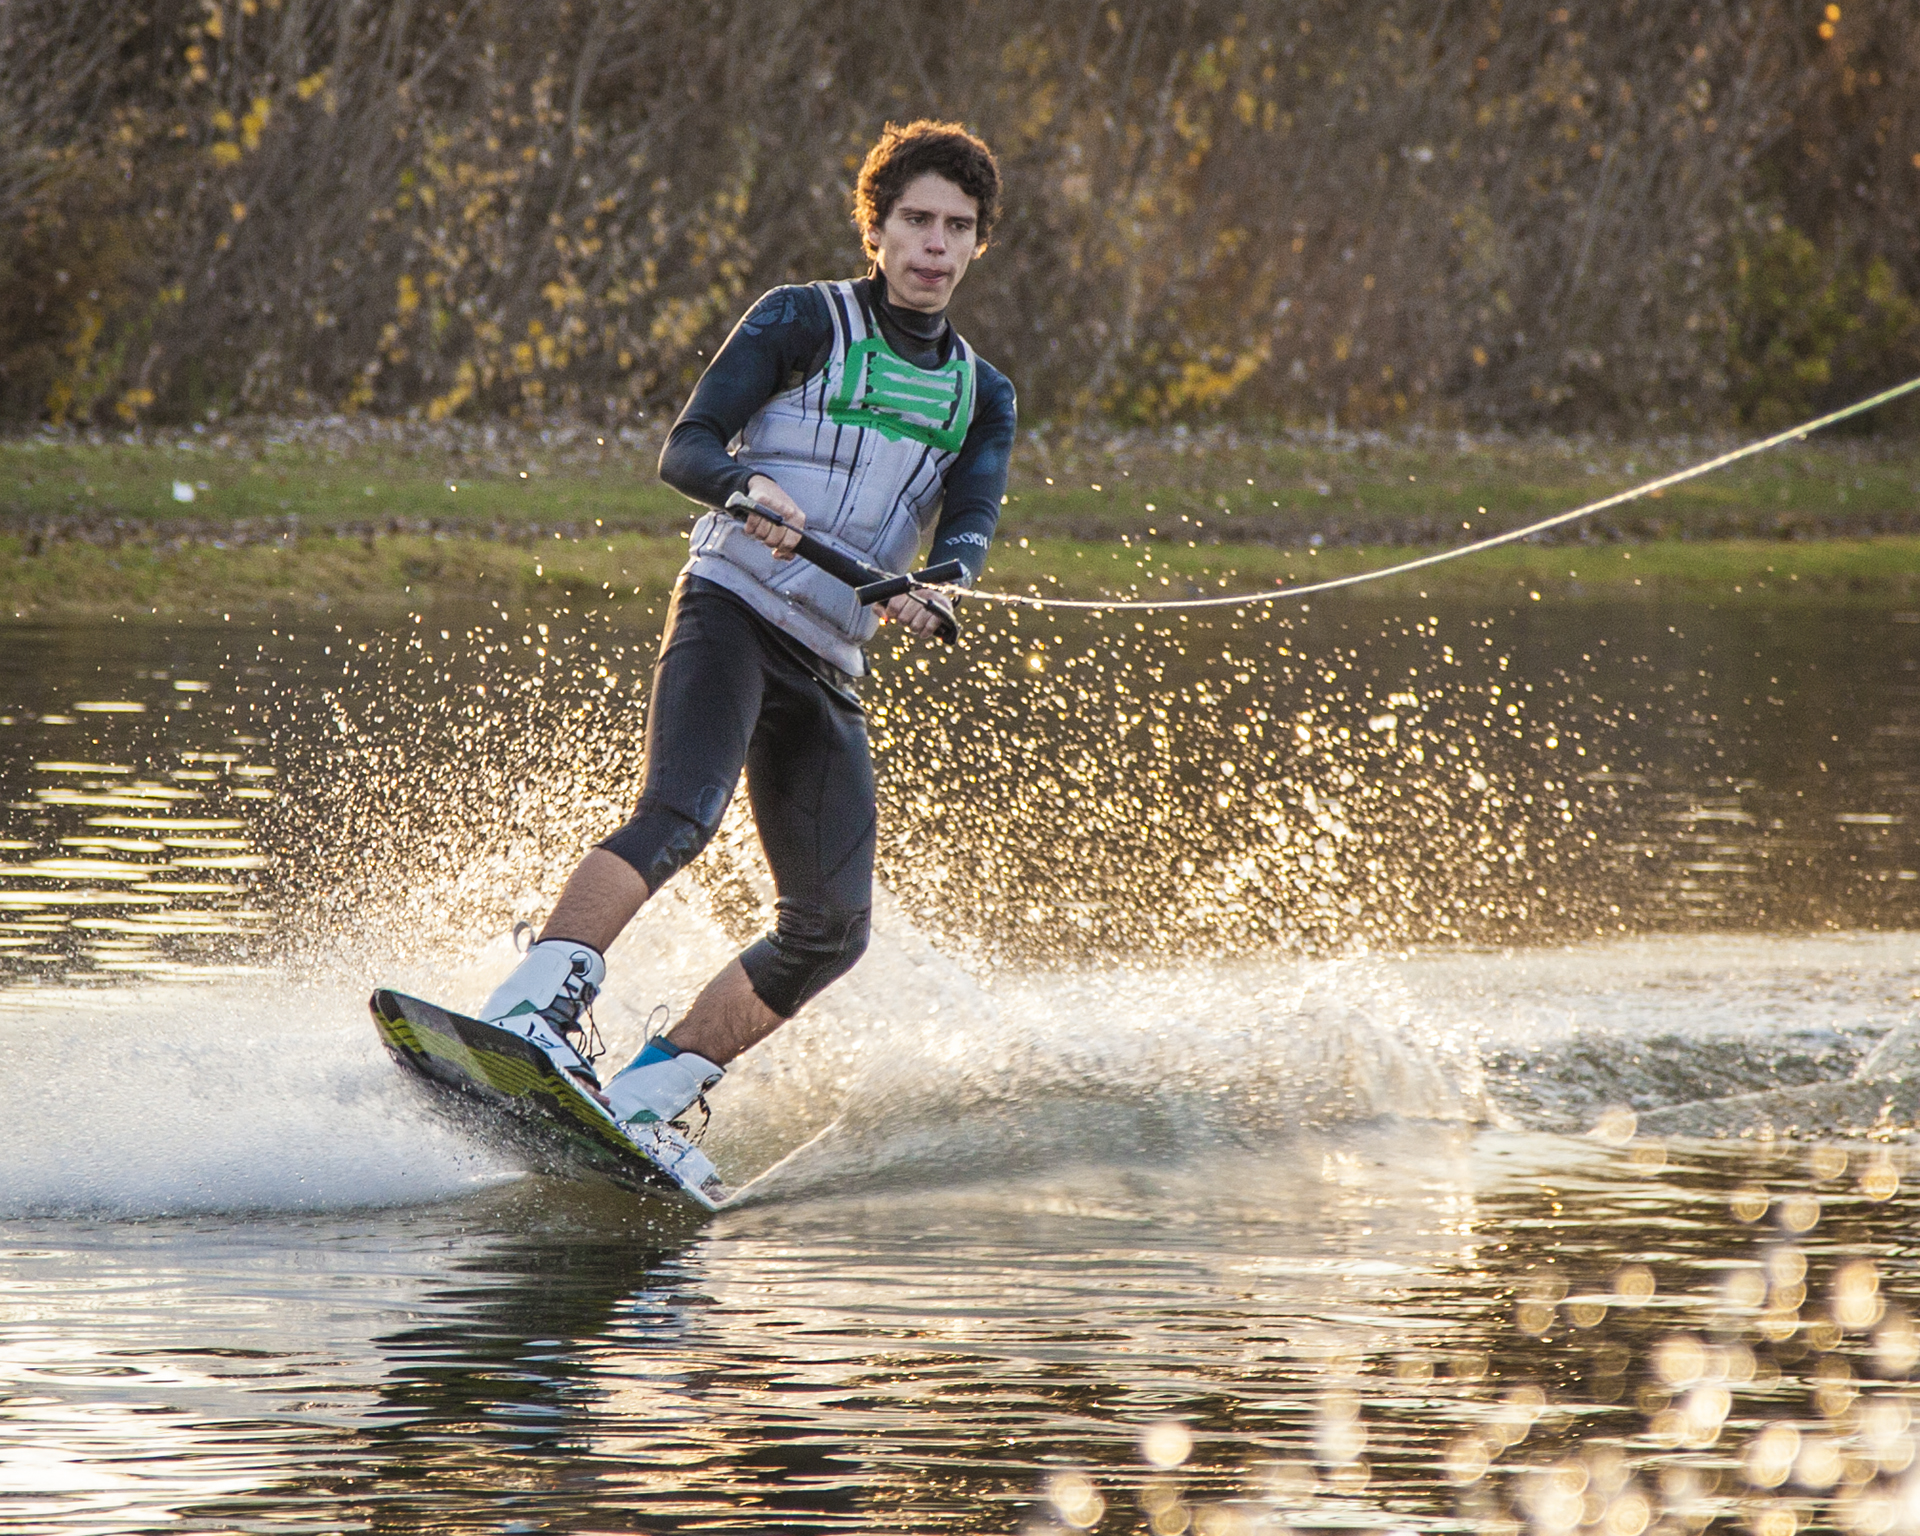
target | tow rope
x=1287, y=594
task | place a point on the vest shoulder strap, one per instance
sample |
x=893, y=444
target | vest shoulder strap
x=851, y=323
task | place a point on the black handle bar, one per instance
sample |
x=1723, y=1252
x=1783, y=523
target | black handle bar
x=870, y=584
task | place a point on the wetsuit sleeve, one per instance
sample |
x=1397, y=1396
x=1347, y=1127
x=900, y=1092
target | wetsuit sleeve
x=780, y=340
x=978, y=478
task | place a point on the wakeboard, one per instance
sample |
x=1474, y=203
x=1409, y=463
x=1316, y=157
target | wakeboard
x=506, y=1089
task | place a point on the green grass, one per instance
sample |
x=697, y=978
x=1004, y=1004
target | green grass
x=1876, y=571
x=634, y=571
x=395, y=572
x=327, y=478
x=1245, y=486
x=309, y=515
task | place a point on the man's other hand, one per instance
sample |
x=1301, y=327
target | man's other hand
x=922, y=612
x=782, y=541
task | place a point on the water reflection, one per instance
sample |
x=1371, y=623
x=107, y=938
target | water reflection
x=1197, y=1178
x=130, y=846
x=1368, y=1332
x=1353, y=775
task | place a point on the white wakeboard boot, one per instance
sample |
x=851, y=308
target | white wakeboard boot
x=546, y=999
x=660, y=1084
x=652, y=1091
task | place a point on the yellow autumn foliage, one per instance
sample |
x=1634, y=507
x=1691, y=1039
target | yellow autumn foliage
x=1523, y=213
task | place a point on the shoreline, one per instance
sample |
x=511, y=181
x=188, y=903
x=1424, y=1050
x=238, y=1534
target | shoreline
x=1252, y=484
x=620, y=571
x=267, y=516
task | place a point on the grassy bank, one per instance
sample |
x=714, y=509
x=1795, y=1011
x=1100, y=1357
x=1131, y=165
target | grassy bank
x=1879, y=571
x=1351, y=488
x=307, y=515
x=313, y=574
x=632, y=572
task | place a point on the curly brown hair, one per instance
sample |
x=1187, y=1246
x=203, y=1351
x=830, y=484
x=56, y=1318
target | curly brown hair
x=903, y=153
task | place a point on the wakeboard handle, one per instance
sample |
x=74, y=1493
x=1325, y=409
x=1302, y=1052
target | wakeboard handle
x=870, y=584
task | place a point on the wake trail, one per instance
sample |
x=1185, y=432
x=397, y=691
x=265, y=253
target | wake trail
x=272, y=1094
x=226, y=1096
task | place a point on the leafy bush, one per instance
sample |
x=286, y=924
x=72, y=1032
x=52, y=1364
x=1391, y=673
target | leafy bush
x=1516, y=213
x=1808, y=329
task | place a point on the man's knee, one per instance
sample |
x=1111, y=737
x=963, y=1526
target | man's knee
x=662, y=839
x=810, y=948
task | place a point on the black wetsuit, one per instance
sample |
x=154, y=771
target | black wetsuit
x=732, y=690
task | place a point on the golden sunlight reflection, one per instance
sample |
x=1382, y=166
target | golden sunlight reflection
x=1381, y=1069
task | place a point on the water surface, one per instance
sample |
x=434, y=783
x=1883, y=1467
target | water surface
x=1244, y=1120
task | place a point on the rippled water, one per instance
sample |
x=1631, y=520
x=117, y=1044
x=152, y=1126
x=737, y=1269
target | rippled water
x=1282, y=1094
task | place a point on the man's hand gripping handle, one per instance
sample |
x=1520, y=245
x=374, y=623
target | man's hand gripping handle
x=870, y=584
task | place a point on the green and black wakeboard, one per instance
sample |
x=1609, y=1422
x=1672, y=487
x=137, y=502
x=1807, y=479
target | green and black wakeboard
x=507, y=1090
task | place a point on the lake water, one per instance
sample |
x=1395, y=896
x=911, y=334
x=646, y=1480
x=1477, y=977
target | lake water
x=1389, y=1068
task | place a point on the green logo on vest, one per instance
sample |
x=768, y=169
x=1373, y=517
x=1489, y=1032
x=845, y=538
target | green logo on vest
x=881, y=390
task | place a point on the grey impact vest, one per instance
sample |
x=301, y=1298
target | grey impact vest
x=864, y=447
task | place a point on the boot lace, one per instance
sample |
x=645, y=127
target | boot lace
x=572, y=1004
x=706, y=1119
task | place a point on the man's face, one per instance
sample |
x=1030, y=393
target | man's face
x=926, y=242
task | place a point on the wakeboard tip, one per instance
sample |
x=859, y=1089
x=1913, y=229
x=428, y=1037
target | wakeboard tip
x=514, y=1089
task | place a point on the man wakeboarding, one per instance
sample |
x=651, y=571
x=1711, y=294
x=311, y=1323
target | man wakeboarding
x=855, y=412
